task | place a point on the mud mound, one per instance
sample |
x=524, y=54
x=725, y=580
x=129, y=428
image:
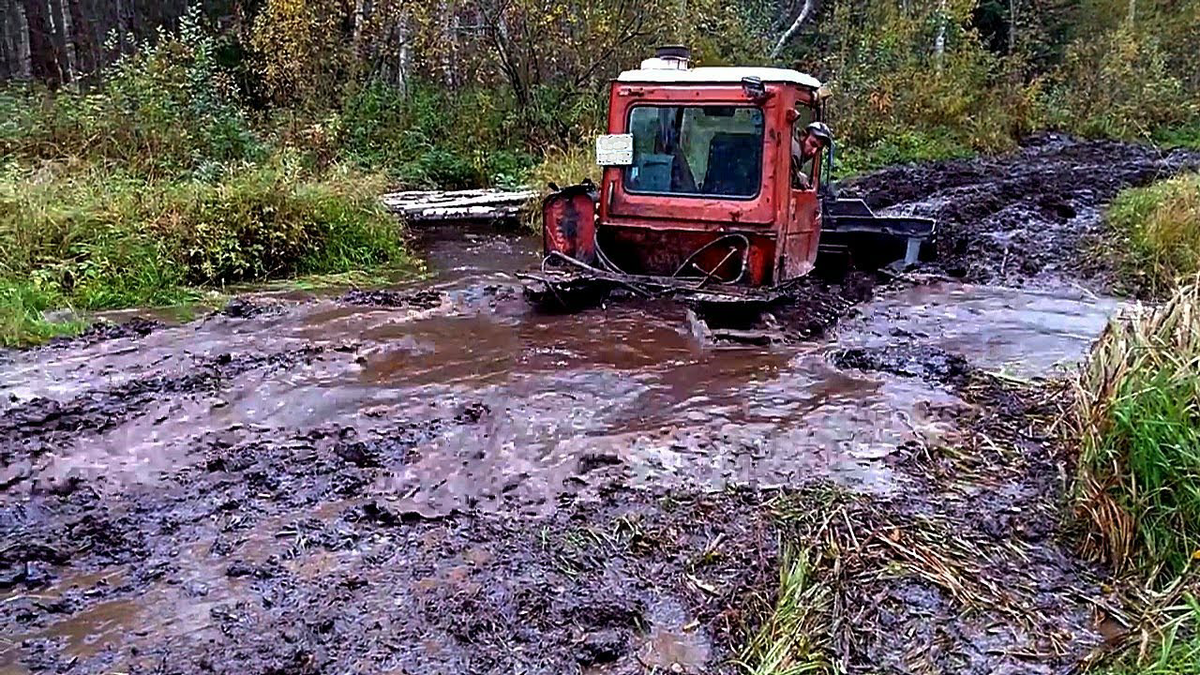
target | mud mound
x=247, y=308
x=422, y=299
x=103, y=331
x=1031, y=215
x=907, y=360
x=39, y=425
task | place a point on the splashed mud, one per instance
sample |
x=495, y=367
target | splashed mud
x=432, y=478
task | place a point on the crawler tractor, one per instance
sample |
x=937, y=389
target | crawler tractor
x=708, y=193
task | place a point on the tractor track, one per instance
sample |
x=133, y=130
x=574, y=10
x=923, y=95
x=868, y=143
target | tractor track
x=433, y=479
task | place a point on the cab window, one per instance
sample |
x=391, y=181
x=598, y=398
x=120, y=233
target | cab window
x=701, y=151
x=802, y=167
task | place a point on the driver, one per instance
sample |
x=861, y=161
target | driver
x=816, y=137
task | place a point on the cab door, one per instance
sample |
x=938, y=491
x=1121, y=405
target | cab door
x=802, y=229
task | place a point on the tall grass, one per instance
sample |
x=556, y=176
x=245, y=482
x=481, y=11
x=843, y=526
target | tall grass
x=1161, y=225
x=793, y=639
x=95, y=239
x=561, y=167
x=1138, y=415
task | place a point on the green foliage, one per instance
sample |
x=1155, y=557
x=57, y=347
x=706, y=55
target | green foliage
x=1138, y=413
x=1120, y=84
x=1160, y=226
x=429, y=138
x=22, y=315
x=908, y=146
x=166, y=110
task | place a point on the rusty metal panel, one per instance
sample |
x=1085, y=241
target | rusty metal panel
x=569, y=223
x=663, y=252
x=801, y=234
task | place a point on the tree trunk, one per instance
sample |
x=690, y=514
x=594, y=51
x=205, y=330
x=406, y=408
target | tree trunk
x=402, y=53
x=122, y=27
x=359, y=18
x=54, y=35
x=1012, y=27
x=22, y=57
x=67, y=26
x=939, y=43
x=790, y=33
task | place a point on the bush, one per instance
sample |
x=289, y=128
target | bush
x=1159, y=226
x=428, y=138
x=99, y=240
x=168, y=109
x=563, y=168
x=1138, y=415
x=1119, y=84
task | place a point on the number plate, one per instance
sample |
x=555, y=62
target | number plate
x=614, y=150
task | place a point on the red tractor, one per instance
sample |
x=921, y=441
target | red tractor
x=715, y=189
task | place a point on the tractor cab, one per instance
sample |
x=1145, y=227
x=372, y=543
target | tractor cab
x=712, y=187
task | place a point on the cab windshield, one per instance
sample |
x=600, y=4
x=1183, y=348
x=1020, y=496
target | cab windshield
x=701, y=151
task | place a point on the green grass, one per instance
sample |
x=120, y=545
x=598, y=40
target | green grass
x=794, y=638
x=1178, y=136
x=1169, y=645
x=22, y=322
x=900, y=148
x=1138, y=416
x=94, y=239
x=1159, y=226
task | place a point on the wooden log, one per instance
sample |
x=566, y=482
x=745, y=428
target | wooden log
x=433, y=206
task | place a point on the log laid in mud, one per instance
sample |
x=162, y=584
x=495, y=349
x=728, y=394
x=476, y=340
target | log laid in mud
x=436, y=206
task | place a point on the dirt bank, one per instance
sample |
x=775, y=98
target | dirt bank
x=1030, y=217
x=434, y=479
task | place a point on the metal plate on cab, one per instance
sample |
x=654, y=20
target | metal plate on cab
x=614, y=150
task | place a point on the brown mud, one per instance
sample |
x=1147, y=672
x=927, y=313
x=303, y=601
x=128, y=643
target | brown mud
x=433, y=478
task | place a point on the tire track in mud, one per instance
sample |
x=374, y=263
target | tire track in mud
x=32, y=428
x=1019, y=218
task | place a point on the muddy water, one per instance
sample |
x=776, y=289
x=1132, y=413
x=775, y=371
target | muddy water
x=463, y=402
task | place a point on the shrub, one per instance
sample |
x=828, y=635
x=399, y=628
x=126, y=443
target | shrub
x=428, y=138
x=1119, y=84
x=1138, y=417
x=1159, y=226
x=166, y=110
x=100, y=240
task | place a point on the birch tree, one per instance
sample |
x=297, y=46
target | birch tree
x=805, y=14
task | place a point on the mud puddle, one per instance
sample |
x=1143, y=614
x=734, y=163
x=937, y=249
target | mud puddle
x=432, y=478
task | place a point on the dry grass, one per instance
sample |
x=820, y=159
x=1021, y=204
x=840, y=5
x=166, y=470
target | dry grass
x=1138, y=421
x=1161, y=224
x=856, y=548
x=562, y=168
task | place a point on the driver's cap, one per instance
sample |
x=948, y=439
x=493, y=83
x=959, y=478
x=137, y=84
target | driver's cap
x=821, y=131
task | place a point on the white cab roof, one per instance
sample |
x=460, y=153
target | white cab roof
x=718, y=76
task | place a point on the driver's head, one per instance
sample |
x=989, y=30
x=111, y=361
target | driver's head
x=817, y=136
